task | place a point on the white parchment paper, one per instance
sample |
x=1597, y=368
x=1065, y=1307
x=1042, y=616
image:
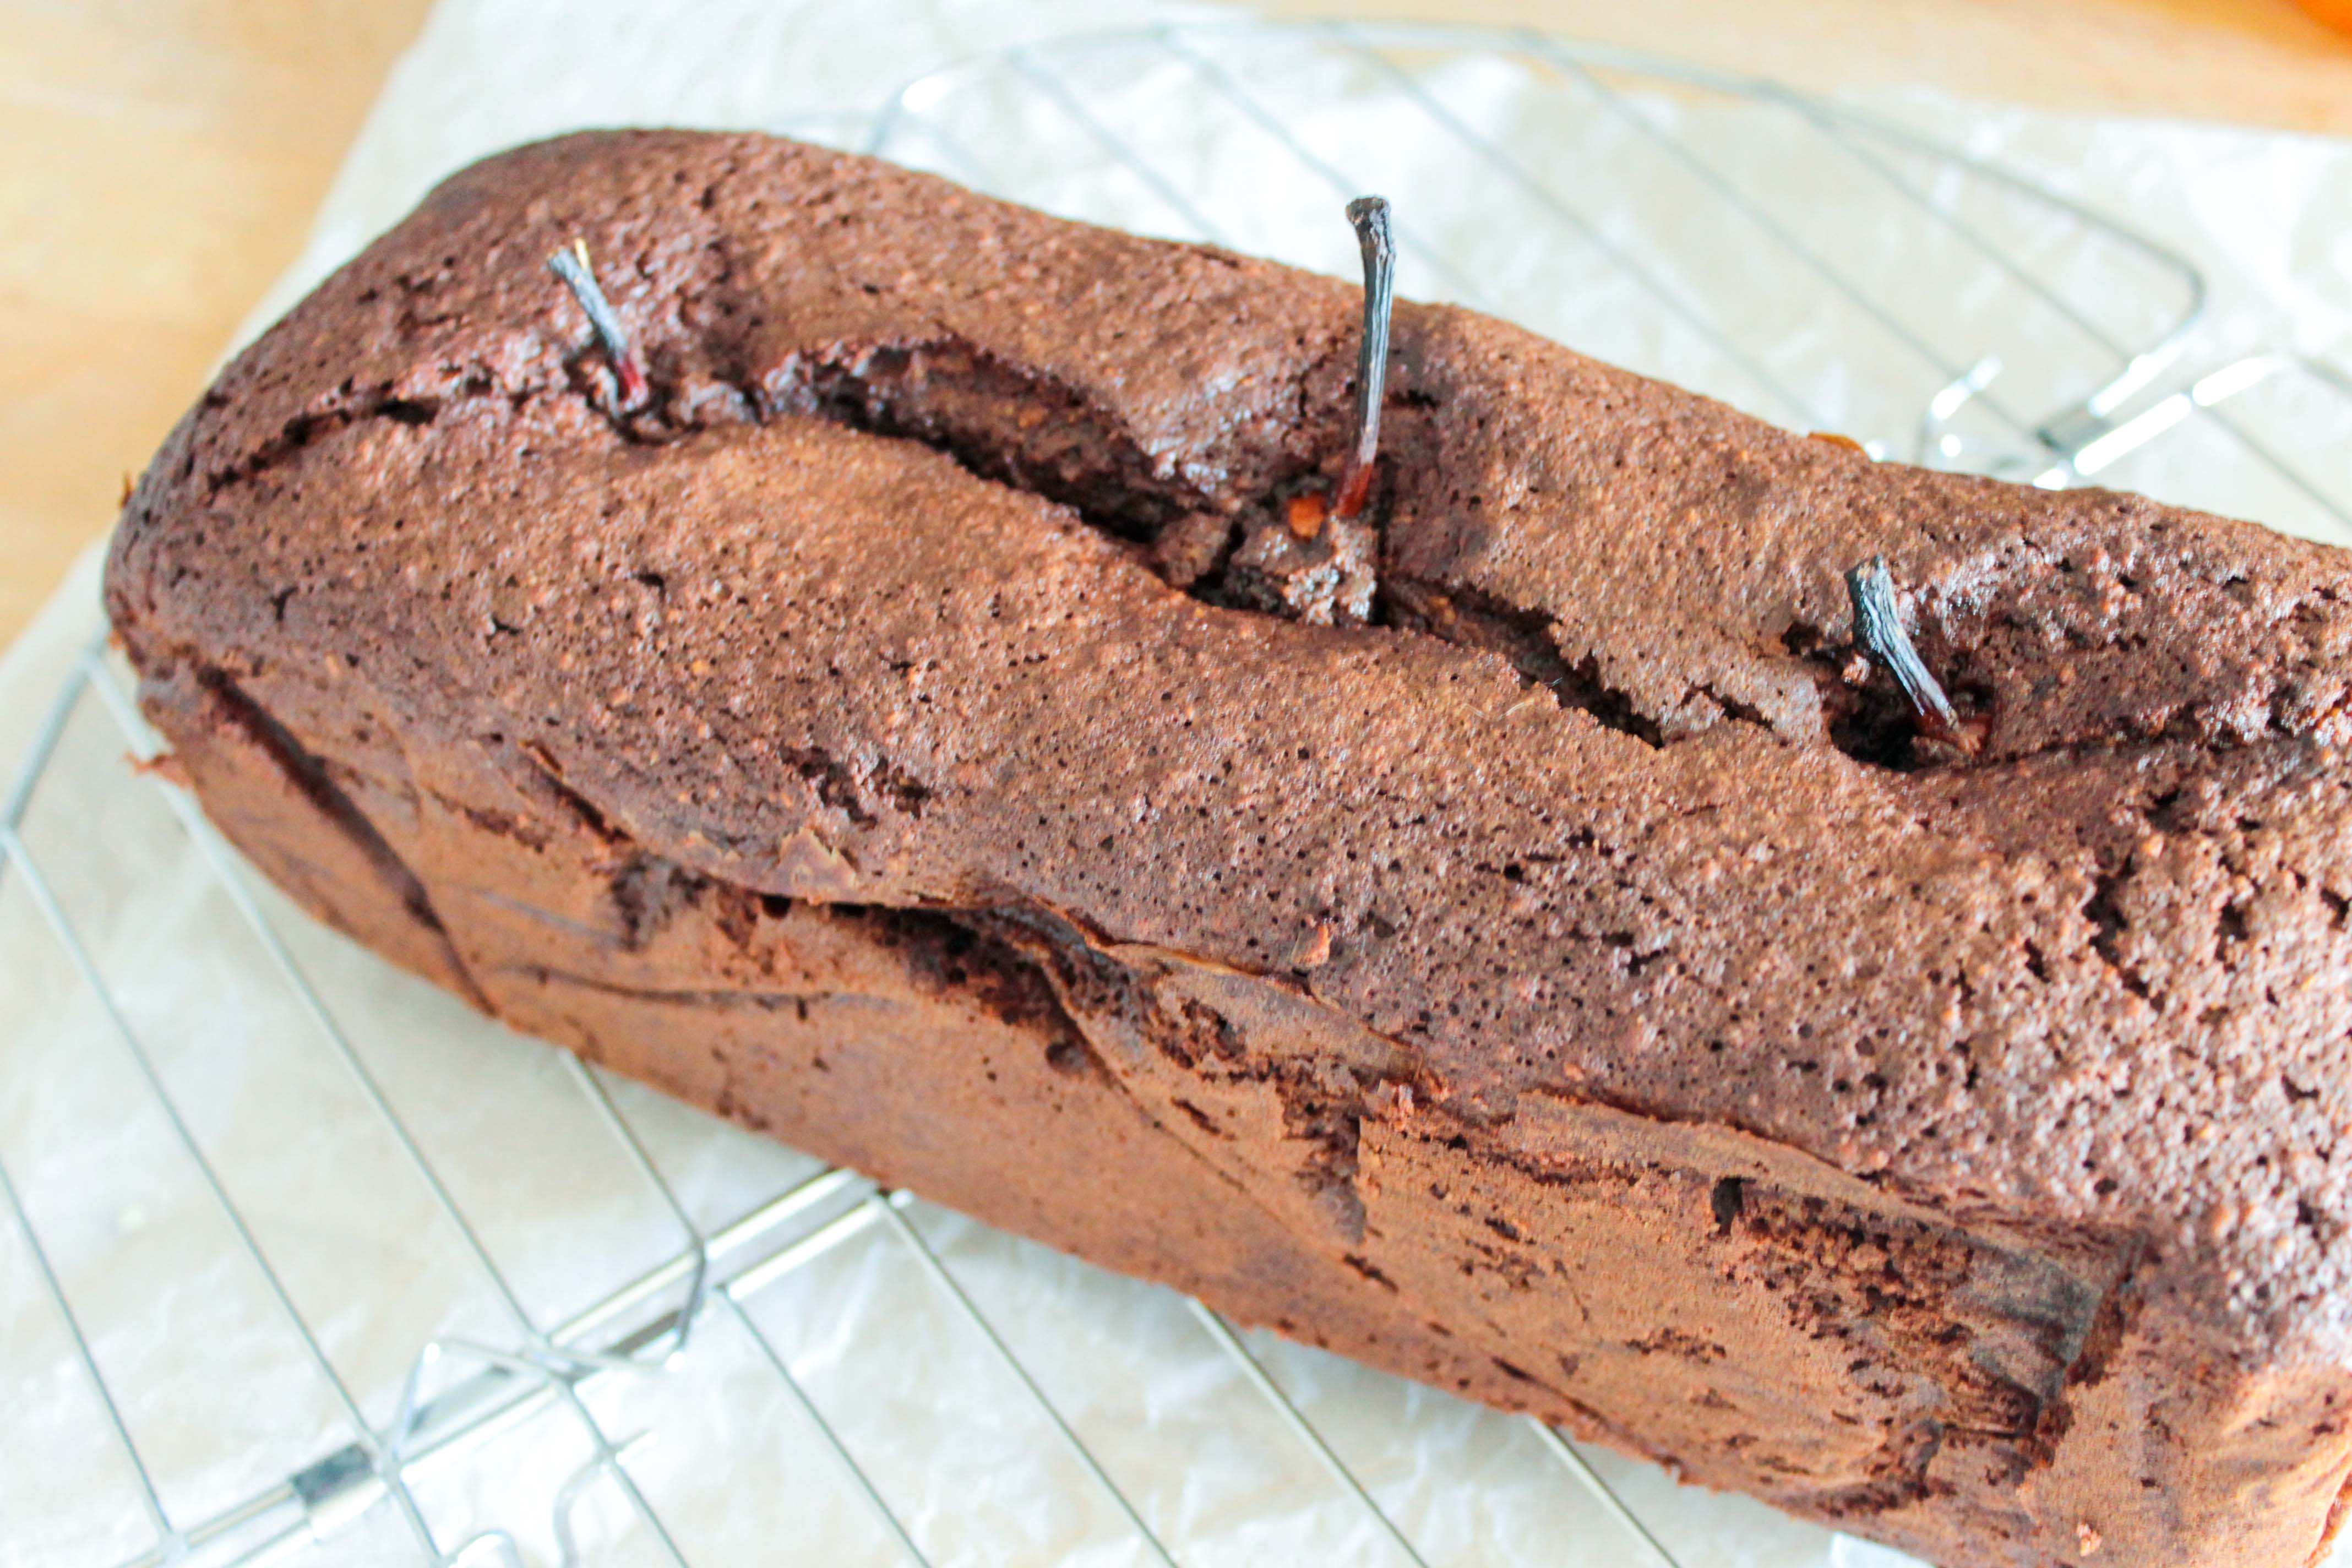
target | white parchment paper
x=1601, y=237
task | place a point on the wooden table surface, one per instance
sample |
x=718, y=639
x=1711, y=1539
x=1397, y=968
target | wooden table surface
x=168, y=153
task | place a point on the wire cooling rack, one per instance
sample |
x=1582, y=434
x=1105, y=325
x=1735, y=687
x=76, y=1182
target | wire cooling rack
x=516, y=1312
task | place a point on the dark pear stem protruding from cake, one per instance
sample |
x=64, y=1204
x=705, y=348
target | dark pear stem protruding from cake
x=1327, y=574
x=1370, y=214
x=572, y=264
x=1878, y=628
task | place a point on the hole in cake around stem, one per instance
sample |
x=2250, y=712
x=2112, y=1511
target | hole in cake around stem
x=1865, y=713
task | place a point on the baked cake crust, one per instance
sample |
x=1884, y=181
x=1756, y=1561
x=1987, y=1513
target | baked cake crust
x=1580, y=988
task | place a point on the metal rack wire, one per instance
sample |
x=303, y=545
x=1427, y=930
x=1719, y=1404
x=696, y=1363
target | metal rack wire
x=464, y=1392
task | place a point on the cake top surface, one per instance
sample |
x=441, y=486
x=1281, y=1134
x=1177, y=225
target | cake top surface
x=872, y=600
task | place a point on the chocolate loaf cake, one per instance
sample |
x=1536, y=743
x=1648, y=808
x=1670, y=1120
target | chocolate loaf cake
x=1518, y=939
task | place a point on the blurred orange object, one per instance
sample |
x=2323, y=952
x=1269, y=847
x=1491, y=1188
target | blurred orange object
x=2334, y=12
